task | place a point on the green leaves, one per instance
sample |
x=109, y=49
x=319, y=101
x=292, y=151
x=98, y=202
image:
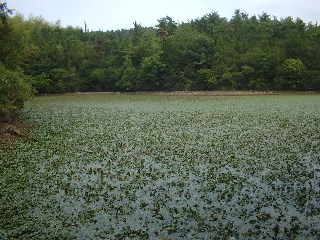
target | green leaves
x=293, y=69
x=152, y=72
x=243, y=53
x=129, y=78
x=166, y=27
x=153, y=166
x=292, y=74
x=209, y=77
x=13, y=92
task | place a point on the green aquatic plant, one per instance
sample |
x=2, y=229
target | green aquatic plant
x=144, y=166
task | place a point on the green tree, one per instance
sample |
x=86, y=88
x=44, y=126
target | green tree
x=127, y=82
x=14, y=91
x=151, y=73
x=166, y=27
x=6, y=38
x=64, y=80
x=292, y=74
x=209, y=77
x=211, y=52
x=13, y=88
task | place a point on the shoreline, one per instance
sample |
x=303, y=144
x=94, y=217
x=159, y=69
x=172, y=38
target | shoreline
x=195, y=93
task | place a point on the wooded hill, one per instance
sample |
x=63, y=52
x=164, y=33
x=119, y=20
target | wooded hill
x=208, y=53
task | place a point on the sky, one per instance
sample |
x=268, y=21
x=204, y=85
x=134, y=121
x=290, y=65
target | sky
x=120, y=14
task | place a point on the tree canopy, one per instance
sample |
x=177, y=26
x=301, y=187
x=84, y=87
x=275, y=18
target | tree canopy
x=208, y=53
x=14, y=89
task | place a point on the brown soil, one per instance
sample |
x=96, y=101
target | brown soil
x=9, y=132
x=223, y=93
x=194, y=93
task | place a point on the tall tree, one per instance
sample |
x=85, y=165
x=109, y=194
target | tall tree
x=212, y=52
x=6, y=38
x=13, y=89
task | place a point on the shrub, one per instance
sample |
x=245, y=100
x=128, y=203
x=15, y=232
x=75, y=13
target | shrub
x=14, y=91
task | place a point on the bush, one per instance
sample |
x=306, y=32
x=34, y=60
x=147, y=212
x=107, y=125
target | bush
x=14, y=91
x=293, y=73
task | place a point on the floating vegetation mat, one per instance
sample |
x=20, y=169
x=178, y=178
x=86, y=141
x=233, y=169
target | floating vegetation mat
x=139, y=166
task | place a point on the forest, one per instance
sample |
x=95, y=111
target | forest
x=209, y=53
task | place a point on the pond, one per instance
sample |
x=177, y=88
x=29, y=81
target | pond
x=147, y=166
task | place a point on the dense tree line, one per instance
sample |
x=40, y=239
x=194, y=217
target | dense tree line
x=209, y=53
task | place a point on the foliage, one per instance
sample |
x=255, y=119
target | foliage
x=245, y=52
x=149, y=166
x=13, y=88
x=64, y=80
x=293, y=72
x=5, y=32
x=129, y=76
x=209, y=77
x=151, y=72
x=14, y=91
x=166, y=27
